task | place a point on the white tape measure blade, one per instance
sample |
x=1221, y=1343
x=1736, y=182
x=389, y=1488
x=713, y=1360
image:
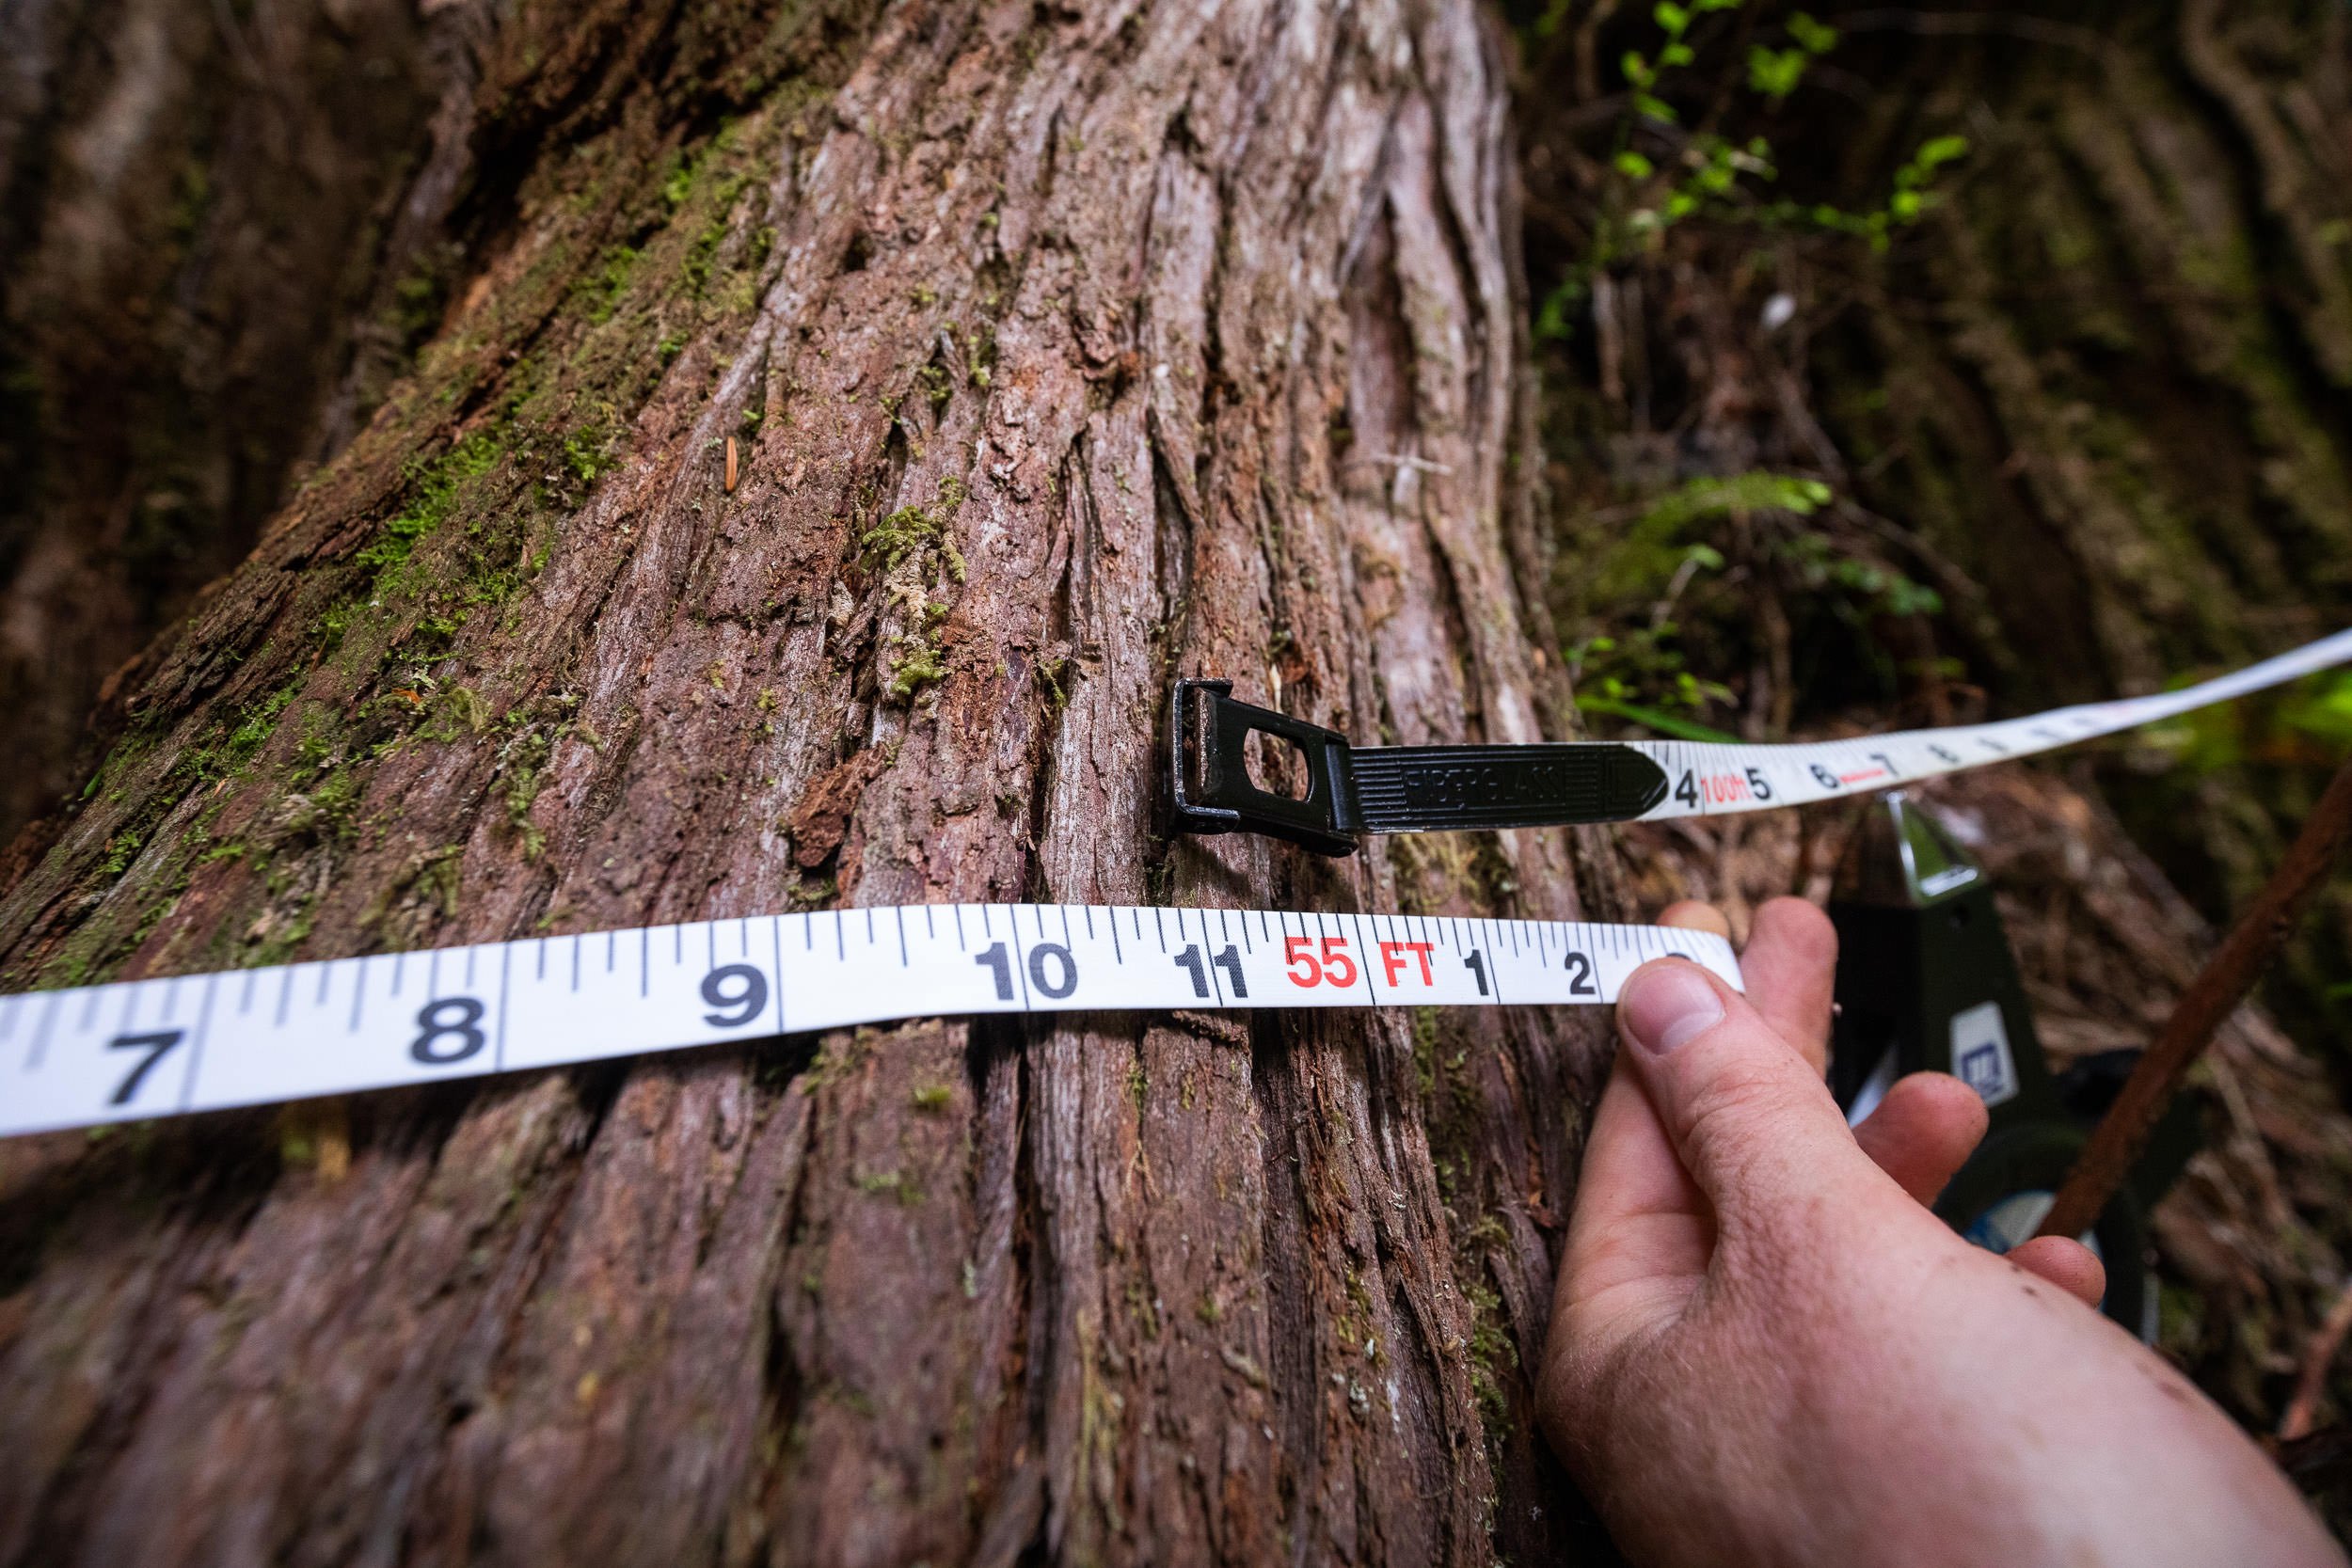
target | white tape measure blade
x=146, y=1048
x=1708, y=779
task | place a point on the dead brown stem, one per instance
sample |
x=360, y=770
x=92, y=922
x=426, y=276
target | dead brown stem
x=2311, y=1379
x=2210, y=998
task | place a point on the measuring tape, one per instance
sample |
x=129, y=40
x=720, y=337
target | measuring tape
x=204, y=1042
x=1708, y=779
x=139, y=1049
x=1352, y=790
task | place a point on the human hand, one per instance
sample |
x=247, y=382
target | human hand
x=1764, y=1347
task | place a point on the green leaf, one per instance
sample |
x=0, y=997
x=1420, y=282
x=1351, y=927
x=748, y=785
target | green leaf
x=1671, y=16
x=1653, y=108
x=1675, y=55
x=1633, y=165
x=1553, y=323
x=1698, y=499
x=1941, y=149
x=1775, y=73
x=1636, y=69
x=1664, y=723
x=1815, y=37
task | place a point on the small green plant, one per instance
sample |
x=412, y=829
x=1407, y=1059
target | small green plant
x=1913, y=193
x=588, y=453
x=1665, y=593
x=1640, y=677
x=912, y=545
x=121, y=850
x=601, y=290
x=1654, y=559
x=1775, y=73
x=1869, y=588
x=1672, y=177
x=1642, y=75
x=1756, y=491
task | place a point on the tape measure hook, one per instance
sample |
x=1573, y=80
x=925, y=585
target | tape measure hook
x=1208, y=734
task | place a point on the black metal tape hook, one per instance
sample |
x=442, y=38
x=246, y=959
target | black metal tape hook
x=1352, y=790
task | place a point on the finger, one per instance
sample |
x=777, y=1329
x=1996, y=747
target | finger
x=1923, y=1132
x=2065, y=1263
x=1641, y=1233
x=1790, y=970
x=1750, y=1119
x=1692, y=915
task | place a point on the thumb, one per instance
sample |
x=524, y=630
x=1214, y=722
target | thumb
x=1750, y=1119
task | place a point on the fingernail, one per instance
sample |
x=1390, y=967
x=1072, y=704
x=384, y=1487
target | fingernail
x=1667, y=1003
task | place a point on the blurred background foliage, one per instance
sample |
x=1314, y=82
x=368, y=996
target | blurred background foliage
x=1908, y=366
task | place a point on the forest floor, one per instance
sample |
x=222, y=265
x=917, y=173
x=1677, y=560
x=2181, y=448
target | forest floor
x=2252, y=1241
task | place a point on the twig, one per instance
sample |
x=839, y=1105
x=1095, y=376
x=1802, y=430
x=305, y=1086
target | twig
x=2211, y=997
x=2311, y=1379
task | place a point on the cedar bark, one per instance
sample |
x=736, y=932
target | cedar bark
x=1068, y=349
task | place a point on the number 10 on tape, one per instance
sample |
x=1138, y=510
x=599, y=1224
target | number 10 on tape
x=149, y=1047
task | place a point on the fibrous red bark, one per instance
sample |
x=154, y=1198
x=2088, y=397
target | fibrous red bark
x=1068, y=350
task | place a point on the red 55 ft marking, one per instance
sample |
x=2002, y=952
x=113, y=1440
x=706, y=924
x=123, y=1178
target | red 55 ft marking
x=1308, y=966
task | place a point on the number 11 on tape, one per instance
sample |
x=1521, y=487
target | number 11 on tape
x=150, y=1048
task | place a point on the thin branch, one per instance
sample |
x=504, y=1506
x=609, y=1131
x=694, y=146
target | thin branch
x=2311, y=1380
x=2211, y=997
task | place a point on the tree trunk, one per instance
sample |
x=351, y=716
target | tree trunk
x=220, y=231
x=1068, y=350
